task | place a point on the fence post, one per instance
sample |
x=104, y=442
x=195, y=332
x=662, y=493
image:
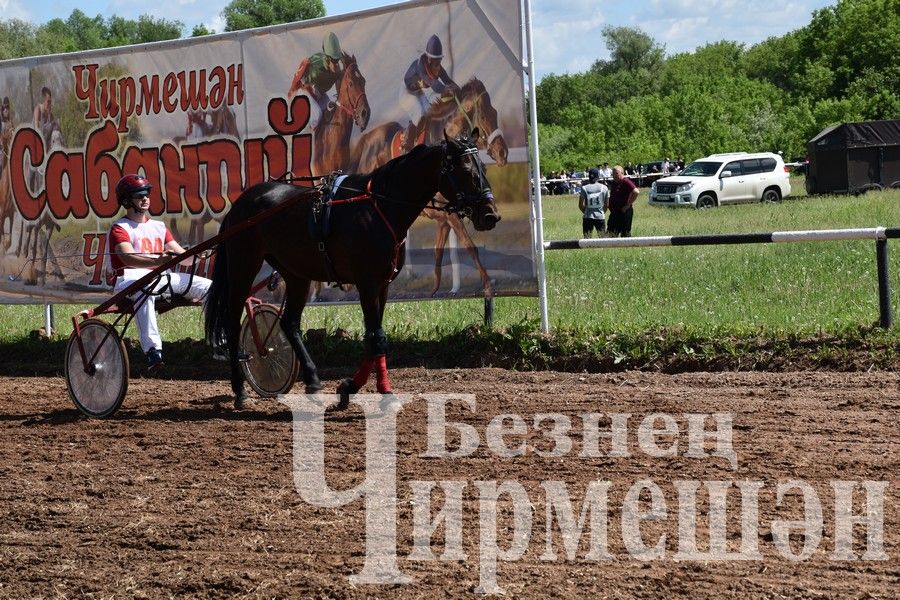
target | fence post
x=489, y=311
x=48, y=319
x=884, y=284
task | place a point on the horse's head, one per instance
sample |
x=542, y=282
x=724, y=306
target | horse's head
x=351, y=91
x=464, y=183
x=487, y=120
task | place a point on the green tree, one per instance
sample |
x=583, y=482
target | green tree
x=849, y=39
x=87, y=33
x=123, y=32
x=630, y=49
x=17, y=38
x=556, y=92
x=201, y=30
x=246, y=14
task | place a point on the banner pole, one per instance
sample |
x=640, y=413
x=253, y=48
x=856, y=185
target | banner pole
x=536, y=174
x=48, y=319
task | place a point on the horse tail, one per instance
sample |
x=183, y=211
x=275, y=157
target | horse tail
x=216, y=306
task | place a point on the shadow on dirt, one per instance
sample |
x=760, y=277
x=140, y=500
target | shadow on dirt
x=219, y=407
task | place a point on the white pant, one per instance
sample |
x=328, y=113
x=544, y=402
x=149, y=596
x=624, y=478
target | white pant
x=145, y=315
x=417, y=105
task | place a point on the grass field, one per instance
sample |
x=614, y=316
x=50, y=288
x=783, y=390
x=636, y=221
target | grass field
x=785, y=289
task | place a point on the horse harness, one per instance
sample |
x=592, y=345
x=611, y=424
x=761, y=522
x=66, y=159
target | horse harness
x=320, y=222
x=320, y=216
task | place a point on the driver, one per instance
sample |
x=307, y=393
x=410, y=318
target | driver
x=319, y=73
x=138, y=244
x=426, y=83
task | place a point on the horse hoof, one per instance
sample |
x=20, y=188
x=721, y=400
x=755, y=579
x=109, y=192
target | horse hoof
x=241, y=401
x=313, y=388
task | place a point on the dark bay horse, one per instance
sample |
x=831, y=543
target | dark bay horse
x=370, y=215
x=332, y=134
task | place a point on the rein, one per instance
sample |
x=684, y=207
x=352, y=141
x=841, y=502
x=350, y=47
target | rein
x=368, y=195
x=473, y=121
x=351, y=112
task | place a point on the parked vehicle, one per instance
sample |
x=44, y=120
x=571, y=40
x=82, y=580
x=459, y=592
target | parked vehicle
x=730, y=178
x=854, y=158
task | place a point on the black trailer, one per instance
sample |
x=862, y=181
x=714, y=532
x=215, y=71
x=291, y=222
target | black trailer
x=854, y=158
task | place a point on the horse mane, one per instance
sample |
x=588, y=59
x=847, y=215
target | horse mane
x=385, y=171
x=473, y=85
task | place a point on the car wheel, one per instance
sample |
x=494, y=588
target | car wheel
x=810, y=185
x=870, y=187
x=771, y=195
x=706, y=201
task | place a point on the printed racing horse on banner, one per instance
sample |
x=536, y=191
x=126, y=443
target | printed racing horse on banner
x=461, y=114
x=370, y=215
x=331, y=135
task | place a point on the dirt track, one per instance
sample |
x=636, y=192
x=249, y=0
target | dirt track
x=179, y=495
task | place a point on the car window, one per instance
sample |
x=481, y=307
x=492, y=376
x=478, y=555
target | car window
x=750, y=166
x=734, y=167
x=702, y=168
x=767, y=165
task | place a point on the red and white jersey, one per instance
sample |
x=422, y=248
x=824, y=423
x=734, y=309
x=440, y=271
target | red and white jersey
x=150, y=237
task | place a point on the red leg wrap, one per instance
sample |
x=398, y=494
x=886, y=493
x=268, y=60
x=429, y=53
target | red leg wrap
x=381, y=375
x=362, y=374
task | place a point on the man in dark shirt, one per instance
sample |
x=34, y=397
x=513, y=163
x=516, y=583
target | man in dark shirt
x=623, y=194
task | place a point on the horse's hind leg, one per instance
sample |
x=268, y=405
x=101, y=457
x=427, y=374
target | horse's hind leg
x=296, y=293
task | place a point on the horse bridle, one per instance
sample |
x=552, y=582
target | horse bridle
x=353, y=105
x=462, y=202
x=476, y=119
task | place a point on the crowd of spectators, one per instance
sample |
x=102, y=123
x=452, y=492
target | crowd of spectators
x=666, y=166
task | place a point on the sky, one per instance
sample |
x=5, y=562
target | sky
x=566, y=33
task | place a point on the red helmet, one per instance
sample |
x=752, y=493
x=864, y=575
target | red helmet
x=130, y=185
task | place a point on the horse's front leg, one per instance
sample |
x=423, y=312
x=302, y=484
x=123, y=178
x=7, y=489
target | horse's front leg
x=440, y=240
x=372, y=302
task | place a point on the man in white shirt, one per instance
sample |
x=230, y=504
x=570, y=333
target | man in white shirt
x=138, y=244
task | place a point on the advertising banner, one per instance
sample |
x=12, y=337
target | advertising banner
x=205, y=118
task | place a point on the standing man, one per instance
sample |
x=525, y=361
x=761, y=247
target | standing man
x=42, y=119
x=425, y=83
x=593, y=201
x=138, y=244
x=605, y=172
x=622, y=195
x=319, y=73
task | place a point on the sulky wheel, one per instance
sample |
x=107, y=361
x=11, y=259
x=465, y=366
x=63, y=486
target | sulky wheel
x=99, y=389
x=274, y=370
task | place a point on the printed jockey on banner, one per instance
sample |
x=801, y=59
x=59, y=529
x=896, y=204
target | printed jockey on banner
x=138, y=244
x=317, y=75
x=425, y=84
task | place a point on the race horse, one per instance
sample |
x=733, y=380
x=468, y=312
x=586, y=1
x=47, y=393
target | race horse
x=332, y=133
x=363, y=245
x=460, y=114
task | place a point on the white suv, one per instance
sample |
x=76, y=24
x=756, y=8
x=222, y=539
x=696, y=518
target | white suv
x=725, y=179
